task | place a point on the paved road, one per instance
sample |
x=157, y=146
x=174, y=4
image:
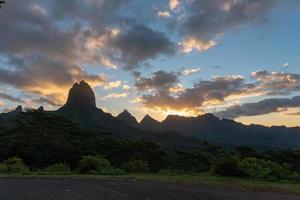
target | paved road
x=120, y=189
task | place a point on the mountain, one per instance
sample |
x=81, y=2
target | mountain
x=148, y=123
x=175, y=131
x=81, y=108
x=127, y=118
x=7, y=119
x=230, y=133
x=81, y=95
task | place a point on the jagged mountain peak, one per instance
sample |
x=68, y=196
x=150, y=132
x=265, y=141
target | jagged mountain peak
x=126, y=117
x=19, y=109
x=41, y=109
x=125, y=112
x=149, y=123
x=81, y=95
x=148, y=118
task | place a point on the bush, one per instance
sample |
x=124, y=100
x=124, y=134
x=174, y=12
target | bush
x=93, y=165
x=193, y=161
x=136, y=166
x=228, y=167
x=57, y=169
x=3, y=168
x=15, y=165
x=262, y=169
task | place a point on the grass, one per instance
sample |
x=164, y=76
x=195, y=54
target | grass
x=237, y=183
x=195, y=179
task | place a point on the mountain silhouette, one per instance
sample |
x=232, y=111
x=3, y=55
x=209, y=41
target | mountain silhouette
x=81, y=108
x=149, y=123
x=81, y=95
x=126, y=117
x=175, y=131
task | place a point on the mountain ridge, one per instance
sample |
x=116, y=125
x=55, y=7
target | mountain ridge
x=81, y=108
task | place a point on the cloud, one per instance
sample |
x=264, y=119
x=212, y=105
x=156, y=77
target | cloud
x=277, y=83
x=285, y=65
x=45, y=77
x=161, y=82
x=163, y=14
x=216, y=67
x=139, y=43
x=10, y=98
x=50, y=100
x=44, y=45
x=126, y=87
x=259, y=108
x=115, y=96
x=202, y=23
x=173, y=4
x=112, y=85
x=164, y=91
x=189, y=71
x=190, y=43
x=294, y=113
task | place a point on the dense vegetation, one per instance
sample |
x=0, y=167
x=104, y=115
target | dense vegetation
x=46, y=143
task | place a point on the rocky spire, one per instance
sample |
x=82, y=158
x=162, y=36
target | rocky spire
x=81, y=95
x=18, y=109
x=40, y=109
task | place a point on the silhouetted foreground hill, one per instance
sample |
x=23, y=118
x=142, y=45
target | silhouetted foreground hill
x=175, y=131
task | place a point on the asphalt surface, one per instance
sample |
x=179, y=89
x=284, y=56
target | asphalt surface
x=121, y=189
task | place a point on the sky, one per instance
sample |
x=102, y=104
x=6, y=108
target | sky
x=237, y=59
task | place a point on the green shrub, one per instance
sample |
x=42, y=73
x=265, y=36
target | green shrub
x=193, y=161
x=15, y=165
x=228, y=167
x=57, y=169
x=3, y=168
x=93, y=165
x=136, y=166
x=264, y=169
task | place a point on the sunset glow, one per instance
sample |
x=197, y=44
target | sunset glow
x=235, y=59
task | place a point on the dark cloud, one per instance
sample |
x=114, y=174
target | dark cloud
x=10, y=98
x=42, y=76
x=160, y=82
x=27, y=30
x=64, y=29
x=159, y=91
x=44, y=44
x=47, y=100
x=276, y=83
x=207, y=20
x=262, y=107
x=139, y=43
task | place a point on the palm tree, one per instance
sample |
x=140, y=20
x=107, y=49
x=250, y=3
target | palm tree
x=1, y=2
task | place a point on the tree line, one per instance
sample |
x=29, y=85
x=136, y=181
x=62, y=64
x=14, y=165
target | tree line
x=45, y=142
